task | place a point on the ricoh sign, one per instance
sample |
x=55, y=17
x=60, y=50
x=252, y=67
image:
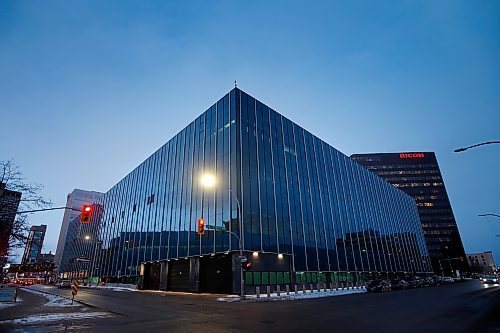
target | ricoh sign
x=412, y=155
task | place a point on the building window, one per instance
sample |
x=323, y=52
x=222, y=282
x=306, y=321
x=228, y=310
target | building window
x=151, y=199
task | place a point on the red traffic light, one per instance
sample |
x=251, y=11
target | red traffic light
x=247, y=265
x=201, y=226
x=86, y=214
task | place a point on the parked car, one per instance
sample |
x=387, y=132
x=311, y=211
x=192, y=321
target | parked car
x=415, y=282
x=489, y=279
x=27, y=282
x=438, y=280
x=64, y=284
x=399, y=284
x=448, y=279
x=378, y=285
x=429, y=281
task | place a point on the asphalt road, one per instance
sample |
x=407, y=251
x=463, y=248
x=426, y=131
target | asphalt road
x=460, y=307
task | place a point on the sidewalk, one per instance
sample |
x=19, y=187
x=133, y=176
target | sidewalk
x=292, y=295
x=43, y=309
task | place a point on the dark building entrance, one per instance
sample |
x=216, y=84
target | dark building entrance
x=178, y=275
x=215, y=274
x=152, y=275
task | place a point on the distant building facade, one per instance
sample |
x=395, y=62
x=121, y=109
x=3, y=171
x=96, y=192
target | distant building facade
x=75, y=200
x=482, y=262
x=48, y=258
x=304, y=212
x=9, y=203
x=34, y=244
x=418, y=175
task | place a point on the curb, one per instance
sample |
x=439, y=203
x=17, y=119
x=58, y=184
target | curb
x=68, y=298
x=290, y=297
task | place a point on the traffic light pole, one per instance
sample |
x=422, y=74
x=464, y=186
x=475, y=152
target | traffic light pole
x=209, y=181
x=42, y=210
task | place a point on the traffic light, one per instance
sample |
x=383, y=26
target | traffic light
x=246, y=266
x=85, y=215
x=201, y=226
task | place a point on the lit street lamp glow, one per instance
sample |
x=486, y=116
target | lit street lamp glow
x=208, y=180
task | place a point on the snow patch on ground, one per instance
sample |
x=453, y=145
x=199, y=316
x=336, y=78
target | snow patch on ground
x=49, y=317
x=53, y=300
x=4, y=305
x=292, y=296
x=110, y=288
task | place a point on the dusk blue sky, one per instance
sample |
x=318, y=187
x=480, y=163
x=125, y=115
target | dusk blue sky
x=89, y=89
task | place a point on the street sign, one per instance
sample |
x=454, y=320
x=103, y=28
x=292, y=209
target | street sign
x=216, y=228
x=82, y=259
x=8, y=294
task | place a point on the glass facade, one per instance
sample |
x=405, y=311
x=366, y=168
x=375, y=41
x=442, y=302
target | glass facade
x=34, y=244
x=418, y=175
x=299, y=197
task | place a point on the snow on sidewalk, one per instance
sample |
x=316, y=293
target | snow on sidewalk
x=53, y=300
x=4, y=305
x=292, y=296
x=109, y=288
x=48, y=317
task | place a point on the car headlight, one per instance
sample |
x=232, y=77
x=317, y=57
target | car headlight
x=495, y=280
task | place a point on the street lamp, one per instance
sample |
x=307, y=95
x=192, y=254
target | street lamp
x=459, y=150
x=489, y=214
x=92, y=266
x=209, y=181
x=483, y=215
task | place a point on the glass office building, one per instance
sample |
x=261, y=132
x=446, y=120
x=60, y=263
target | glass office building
x=418, y=175
x=304, y=211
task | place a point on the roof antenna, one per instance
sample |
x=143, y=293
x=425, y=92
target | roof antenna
x=235, y=85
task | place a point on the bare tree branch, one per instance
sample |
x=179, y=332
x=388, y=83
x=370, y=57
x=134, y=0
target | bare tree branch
x=12, y=177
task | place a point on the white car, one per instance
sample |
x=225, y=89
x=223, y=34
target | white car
x=489, y=279
x=448, y=279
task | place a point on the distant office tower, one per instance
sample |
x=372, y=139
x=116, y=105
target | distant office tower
x=418, y=175
x=34, y=244
x=9, y=202
x=76, y=200
x=482, y=262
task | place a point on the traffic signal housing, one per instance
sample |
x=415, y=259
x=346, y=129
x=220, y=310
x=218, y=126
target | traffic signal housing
x=86, y=213
x=201, y=226
x=246, y=265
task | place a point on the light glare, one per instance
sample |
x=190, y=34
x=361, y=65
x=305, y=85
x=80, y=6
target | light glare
x=208, y=180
